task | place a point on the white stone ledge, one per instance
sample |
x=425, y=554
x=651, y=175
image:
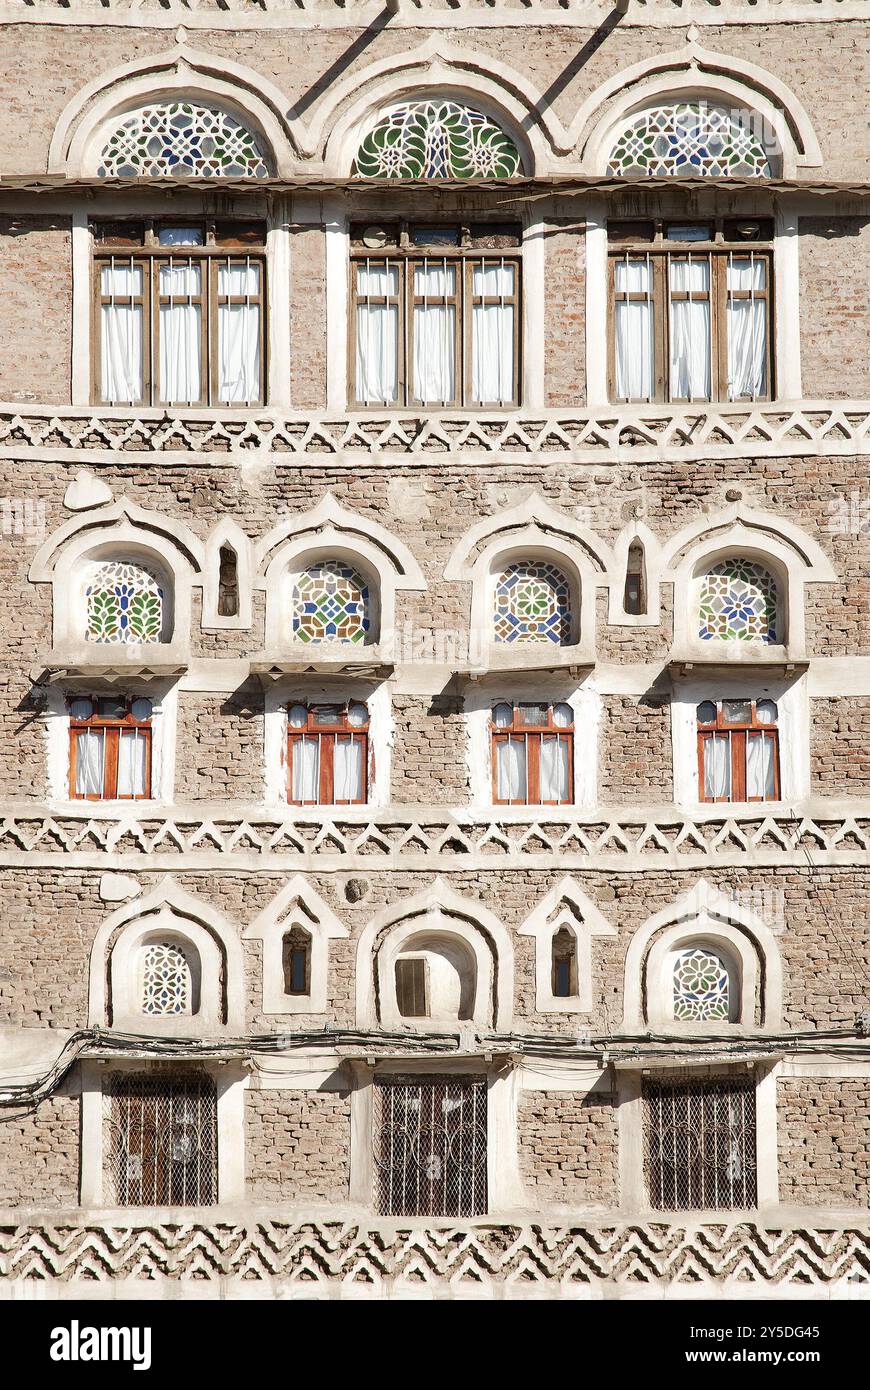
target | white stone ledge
x=601, y=435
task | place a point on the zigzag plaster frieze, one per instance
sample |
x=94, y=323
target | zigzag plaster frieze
x=601, y=436
x=329, y=1252
x=266, y=841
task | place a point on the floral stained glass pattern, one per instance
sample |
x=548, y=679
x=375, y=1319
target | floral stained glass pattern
x=330, y=604
x=165, y=980
x=182, y=139
x=532, y=604
x=701, y=987
x=691, y=139
x=124, y=603
x=436, y=140
x=738, y=601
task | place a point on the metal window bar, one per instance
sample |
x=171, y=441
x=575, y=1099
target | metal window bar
x=700, y=1144
x=430, y=1146
x=162, y=1147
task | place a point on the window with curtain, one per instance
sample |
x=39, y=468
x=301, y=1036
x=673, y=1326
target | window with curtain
x=738, y=750
x=179, y=313
x=110, y=748
x=532, y=754
x=435, y=315
x=327, y=754
x=691, y=310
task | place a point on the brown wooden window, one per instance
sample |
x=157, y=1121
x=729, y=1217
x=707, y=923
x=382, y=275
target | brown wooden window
x=110, y=748
x=564, y=964
x=327, y=755
x=179, y=313
x=297, y=961
x=738, y=750
x=532, y=754
x=411, y=993
x=691, y=310
x=436, y=315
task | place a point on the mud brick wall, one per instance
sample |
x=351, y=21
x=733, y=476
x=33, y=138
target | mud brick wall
x=824, y=1141
x=39, y=1156
x=297, y=1146
x=568, y=1149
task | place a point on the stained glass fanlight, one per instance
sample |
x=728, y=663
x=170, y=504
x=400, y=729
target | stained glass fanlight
x=124, y=602
x=737, y=601
x=166, y=980
x=330, y=602
x=701, y=986
x=532, y=604
x=182, y=139
x=436, y=139
x=691, y=139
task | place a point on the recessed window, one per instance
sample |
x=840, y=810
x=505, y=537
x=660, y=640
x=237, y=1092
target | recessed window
x=699, y=1143
x=436, y=317
x=161, y=1140
x=532, y=603
x=634, y=598
x=228, y=582
x=737, y=602
x=179, y=313
x=330, y=602
x=691, y=311
x=532, y=754
x=296, y=959
x=328, y=754
x=411, y=992
x=738, y=750
x=110, y=748
x=564, y=964
x=430, y=1146
x=702, y=986
x=167, y=980
x=124, y=602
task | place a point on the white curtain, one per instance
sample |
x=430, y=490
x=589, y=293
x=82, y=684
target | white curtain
x=180, y=369
x=761, y=766
x=121, y=335
x=89, y=763
x=554, y=769
x=434, y=336
x=238, y=334
x=690, y=330
x=511, y=769
x=348, y=769
x=717, y=766
x=377, y=335
x=132, y=762
x=634, y=332
x=492, y=335
x=747, y=366
x=306, y=769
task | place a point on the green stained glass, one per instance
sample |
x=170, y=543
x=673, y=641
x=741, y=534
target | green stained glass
x=330, y=604
x=532, y=604
x=124, y=603
x=690, y=140
x=701, y=986
x=738, y=603
x=436, y=140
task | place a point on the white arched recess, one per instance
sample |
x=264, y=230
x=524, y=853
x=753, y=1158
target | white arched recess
x=565, y=907
x=704, y=913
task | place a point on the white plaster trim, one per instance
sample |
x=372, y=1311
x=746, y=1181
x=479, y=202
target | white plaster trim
x=635, y=530
x=297, y=905
x=786, y=292
x=164, y=716
x=226, y=531
x=329, y=511
x=700, y=912
x=82, y=307
x=566, y=905
x=532, y=510
x=336, y=230
x=278, y=285
x=282, y=693
x=440, y=934
x=597, y=308
x=533, y=384
x=459, y=915
x=585, y=701
x=168, y=897
x=125, y=977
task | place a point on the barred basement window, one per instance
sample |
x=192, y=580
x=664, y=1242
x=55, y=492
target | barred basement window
x=110, y=748
x=738, y=750
x=532, y=755
x=296, y=959
x=179, y=313
x=327, y=755
x=691, y=315
x=435, y=315
x=161, y=1132
x=430, y=1146
x=699, y=1144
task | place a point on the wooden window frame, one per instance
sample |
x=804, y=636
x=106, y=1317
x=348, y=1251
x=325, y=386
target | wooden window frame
x=408, y=965
x=739, y=731
x=655, y=247
x=112, y=730
x=532, y=736
x=405, y=256
x=143, y=249
x=327, y=734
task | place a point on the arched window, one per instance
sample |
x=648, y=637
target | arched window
x=168, y=983
x=564, y=964
x=634, y=595
x=182, y=139
x=691, y=139
x=436, y=978
x=532, y=603
x=702, y=983
x=436, y=139
x=296, y=960
x=125, y=602
x=330, y=603
x=738, y=602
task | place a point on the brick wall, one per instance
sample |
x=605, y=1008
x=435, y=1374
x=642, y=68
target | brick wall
x=39, y=1156
x=835, y=299
x=297, y=1146
x=35, y=309
x=635, y=750
x=824, y=1141
x=840, y=745
x=568, y=1149
x=565, y=313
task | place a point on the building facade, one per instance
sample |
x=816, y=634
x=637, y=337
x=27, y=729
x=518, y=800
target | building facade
x=435, y=836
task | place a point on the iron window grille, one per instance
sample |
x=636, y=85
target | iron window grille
x=328, y=755
x=706, y=286
x=109, y=748
x=430, y=1146
x=700, y=1144
x=179, y=313
x=162, y=1139
x=738, y=750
